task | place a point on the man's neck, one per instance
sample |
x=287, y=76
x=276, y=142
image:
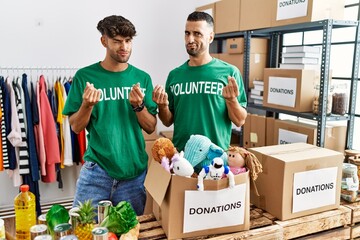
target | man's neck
x=198, y=61
x=114, y=66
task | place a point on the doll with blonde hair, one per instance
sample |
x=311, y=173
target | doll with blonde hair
x=239, y=159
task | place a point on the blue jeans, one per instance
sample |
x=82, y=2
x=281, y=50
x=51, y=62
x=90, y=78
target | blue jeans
x=94, y=183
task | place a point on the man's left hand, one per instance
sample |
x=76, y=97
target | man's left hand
x=231, y=91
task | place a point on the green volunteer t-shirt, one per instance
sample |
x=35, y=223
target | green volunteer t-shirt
x=195, y=99
x=115, y=139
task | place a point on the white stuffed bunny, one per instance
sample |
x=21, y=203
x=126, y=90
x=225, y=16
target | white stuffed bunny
x=181, y=166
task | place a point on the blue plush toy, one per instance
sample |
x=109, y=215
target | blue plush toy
x=200, y=151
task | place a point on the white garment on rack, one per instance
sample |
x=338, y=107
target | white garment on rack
x=15, y=135
x=68, y=157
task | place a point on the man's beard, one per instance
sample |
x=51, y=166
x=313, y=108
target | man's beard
x=121, y=59
x=192, y=53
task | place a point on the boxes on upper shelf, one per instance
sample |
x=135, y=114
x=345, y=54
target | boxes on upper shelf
x=290, y=12
x=227, y=15
x=298, y=179
x=291, y=90
x=250, y=12
x=258, y=56
x=185, y=211
x=237, y=45
x=210, y=9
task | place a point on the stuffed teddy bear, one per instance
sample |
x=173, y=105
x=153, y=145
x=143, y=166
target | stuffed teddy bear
x=239, y=159
x=162, y=151
x=215, y=171
x=200, y=151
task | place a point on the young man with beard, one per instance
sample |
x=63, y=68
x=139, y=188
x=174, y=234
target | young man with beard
x=112, y=100
x=203, y=95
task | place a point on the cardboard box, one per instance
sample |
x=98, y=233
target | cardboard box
x=289, y=89
x=257, y=64
x=172, y=194
x=291, y=12
x=247, y=129
x=298, y=179
x=237, y=45
x=287, y=131
x=149, y=201
x=250, y=12
x=227, y=15
x=210, y=9
x=167, y=134
x=256, y=131
x=270, y=122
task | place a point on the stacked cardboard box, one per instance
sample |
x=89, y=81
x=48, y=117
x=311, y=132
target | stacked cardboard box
x=149, y=142
x=234, y=54
x=186, y=212
x=245, y=13
x=297, y=180
x=291, y=90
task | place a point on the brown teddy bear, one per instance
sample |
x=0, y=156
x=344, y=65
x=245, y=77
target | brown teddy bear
x=162, y=151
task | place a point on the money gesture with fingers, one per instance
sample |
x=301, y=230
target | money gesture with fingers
x=136, y=96
x=231, y=91
x=159, y=96
x=91, y=95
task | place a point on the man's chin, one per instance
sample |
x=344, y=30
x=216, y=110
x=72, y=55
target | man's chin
x=192, y=53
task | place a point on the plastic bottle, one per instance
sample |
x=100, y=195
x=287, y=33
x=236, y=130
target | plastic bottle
x=25, y=212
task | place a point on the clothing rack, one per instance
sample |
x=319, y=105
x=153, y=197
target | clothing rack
x=48, y=71
x=38, y=68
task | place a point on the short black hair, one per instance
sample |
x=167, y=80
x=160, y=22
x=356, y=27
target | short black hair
x=113, y=26
x=201, y=16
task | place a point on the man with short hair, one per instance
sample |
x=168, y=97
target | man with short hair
x=203, y=95
x=112, y=100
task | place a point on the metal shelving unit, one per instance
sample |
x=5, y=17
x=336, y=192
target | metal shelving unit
x=275, y=35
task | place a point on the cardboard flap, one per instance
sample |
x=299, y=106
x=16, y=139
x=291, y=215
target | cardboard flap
x=157, y=181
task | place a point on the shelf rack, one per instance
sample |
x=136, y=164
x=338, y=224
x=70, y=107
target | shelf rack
x=275, y=34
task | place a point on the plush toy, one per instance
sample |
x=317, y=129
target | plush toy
x=200, y=151
x=239, y=159
x=181, y=166
x=215, y=171
x=162, y=151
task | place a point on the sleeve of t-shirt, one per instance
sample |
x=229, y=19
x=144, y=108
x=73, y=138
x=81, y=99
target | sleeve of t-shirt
x=149, y=103
x=169, y=93
x=74, y=98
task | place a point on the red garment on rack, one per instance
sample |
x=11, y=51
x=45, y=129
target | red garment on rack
x=51, y=144
x=82, y=145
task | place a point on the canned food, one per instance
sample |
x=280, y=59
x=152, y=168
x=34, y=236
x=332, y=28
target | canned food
x=2, y=229
x=103, y=209
x=39, y=229
x=69, y=237
x=62, y=229
x=100, y=233
x=42, y=219
x=74, y=216
x=43, y=237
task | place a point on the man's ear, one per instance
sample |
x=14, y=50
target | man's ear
x=211, y=38
x=103, y=41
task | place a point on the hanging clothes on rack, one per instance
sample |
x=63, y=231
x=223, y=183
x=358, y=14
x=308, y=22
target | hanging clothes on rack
x=77, y=157
x=46, y=123
x=4, y=155
x=14, y=136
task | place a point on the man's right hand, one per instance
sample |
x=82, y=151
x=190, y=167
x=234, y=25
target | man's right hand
x=91, y=95
x=160, y=97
